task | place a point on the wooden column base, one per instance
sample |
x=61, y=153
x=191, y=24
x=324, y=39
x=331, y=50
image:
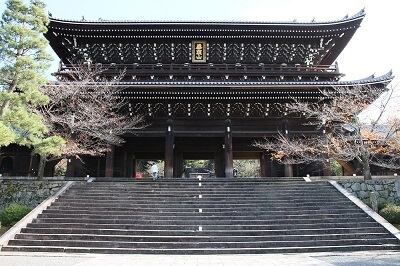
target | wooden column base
x=110, y=162
x=288, y=170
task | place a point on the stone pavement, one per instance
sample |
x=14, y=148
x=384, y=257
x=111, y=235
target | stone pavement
x=370, y=258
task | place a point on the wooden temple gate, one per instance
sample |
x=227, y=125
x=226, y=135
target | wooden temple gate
x=208, y=89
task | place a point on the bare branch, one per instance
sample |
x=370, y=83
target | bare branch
x=88, y=111
x=342, y=134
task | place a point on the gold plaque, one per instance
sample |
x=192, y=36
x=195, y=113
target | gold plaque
x=199, y=51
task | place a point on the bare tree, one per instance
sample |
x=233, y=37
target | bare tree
x=87, y=111
x=341, y=134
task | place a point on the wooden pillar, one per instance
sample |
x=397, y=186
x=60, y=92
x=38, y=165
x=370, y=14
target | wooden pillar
x=274, y=171
x=262, y=165
x=169, y=150
x=30, y=170
x=228, y=149
x=134, y=166
x=98, y=166
x=70, y=167
x=327, y=171
x=219, y=163
x=289, y=170
x=124, y=163
x=267, y=164
x=110, y=161
x=129, y=164
x=178, y=164
x=285, y=130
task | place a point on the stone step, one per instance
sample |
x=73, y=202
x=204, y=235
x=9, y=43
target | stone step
x=197, y=216
x=166, y=209
x=210, y=186
x=125, y=196
x=126, y=232
x=195, y=227
x=198, y=204
x=195, y=201
x=200, y=244
x=204, y=251
x=204, y=191
x=216, y=183
x=222, y=196
x=216, y=194
x=101, y=181
x=161, y=184
x=237, y=217
x=200, y=238
x=252, y=185
x=196, y=220
x=120, y=211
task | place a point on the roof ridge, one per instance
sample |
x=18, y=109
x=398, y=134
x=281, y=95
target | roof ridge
x=358, y=15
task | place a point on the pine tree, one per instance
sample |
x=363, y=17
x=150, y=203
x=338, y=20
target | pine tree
x=23, y=61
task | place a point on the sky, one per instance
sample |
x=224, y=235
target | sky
x=374, y=49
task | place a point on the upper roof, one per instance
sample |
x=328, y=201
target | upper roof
x=101, y=21
x=320, y=41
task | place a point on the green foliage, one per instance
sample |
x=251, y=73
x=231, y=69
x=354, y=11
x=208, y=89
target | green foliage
x=391, y=213
x=28, y=126
x=208, y=164
x=7, y=136
x=23, y=61
x=247, y=168
x=336, y=168
x=22, y=49
x=50, y=145
x=382, y=205
x=13, y=213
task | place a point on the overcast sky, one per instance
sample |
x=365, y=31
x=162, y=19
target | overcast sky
x=373, y=49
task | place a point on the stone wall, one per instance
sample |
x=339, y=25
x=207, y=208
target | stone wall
x=385, y=189
x=27, y=192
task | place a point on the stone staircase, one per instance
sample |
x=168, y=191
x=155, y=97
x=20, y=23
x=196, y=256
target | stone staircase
x=211, y=216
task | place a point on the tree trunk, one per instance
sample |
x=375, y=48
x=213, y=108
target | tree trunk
x=366, y=169
x=42, y=164
x=4, y=107
x=13, y=85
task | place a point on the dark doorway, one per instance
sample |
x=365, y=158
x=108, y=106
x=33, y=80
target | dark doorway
x=7, y=165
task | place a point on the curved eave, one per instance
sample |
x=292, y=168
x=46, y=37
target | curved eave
x=176, y=29
x=381, y=81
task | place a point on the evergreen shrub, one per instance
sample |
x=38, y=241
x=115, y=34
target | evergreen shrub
x=13, y=213
x=391, y=213
x=382, y=204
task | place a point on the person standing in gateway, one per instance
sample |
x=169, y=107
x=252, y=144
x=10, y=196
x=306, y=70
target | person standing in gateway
x=154, y=170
